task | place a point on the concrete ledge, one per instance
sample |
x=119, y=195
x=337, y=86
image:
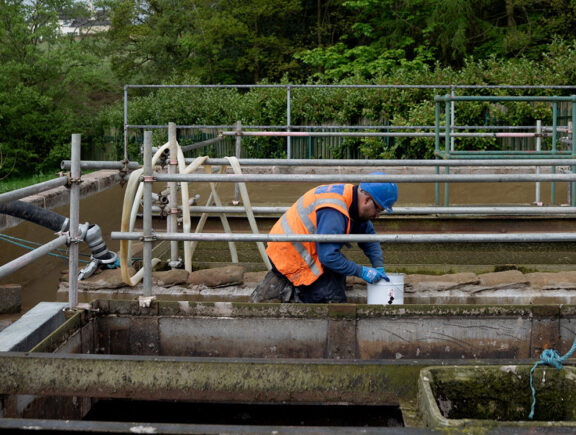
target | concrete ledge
x=507, y=287
x=32, y=327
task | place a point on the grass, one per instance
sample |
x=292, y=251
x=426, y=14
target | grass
x=18, y=183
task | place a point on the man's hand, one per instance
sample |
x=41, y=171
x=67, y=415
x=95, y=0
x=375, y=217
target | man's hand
x=371, y=275
x=381, y=269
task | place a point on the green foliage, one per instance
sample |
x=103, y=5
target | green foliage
x=230, y=41
x=52, y=85
x=394, y=107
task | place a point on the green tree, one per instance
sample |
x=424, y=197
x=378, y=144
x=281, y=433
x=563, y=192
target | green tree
x=48, y=83
x=229, y=41
x=387, y=34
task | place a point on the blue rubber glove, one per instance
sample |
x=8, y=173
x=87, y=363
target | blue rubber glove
x=371, y=275
x=381, y=269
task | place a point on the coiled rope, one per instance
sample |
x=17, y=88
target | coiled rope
x=548, y=357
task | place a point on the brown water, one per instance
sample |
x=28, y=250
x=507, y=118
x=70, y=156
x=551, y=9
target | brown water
x=39, y=280
x=410, y=194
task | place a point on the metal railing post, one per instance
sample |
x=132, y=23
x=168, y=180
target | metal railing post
x=74, y=222
x=537, y=200
x=238, y=152
x=554, y=133
x=437, y=148
x=288, y=122
x=172, y=222
x=147, y=214
x=125, y=123
x=573, y=184
x=448, y=133
x=452, y=117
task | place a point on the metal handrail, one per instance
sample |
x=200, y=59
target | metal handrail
x=541, y=161
x=33, y=190
x=29, y=257
x=360, y=238
x=366, y=178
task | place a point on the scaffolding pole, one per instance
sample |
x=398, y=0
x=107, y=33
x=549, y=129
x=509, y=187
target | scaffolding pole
x=359, y=238
x=365, y=178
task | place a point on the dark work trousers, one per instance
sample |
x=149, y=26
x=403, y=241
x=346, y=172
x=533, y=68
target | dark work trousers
x=329, y=287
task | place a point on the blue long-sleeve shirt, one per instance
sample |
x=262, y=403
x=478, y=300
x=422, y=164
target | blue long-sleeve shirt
x=331, y=221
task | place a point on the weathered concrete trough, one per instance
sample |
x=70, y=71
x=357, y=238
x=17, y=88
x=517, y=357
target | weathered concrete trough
x=492, y=396
x=261, y=354
x=314, y=331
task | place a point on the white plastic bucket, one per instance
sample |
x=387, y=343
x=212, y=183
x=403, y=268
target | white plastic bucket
x=387, y=293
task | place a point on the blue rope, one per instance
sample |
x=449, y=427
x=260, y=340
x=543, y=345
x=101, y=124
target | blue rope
x=14, y=241
x=10, y=239
x=549, y=357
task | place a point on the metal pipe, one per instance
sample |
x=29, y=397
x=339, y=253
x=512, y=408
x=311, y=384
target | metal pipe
x=288, y=121
x=31, y=256
x=147, y=218
x=172, y=221
x=202, y=144
x=33, y=190
x=359, y=178
x=360, y=238
x=573, y=150
x=238, y=151
x=376, y=134
x=538, y=148
x=356, y=86
x=351, y=127
x=554, y=132
x=520, y=210
x=527, y=155
x=501, y=134
x=126, y=123
x=74, y=222
x=447, y=140
x=437, y=152
x=452, y=117
x=553, y=161
x=396, y=162
x=549, y=99
x=97, y=164
x=326, y=133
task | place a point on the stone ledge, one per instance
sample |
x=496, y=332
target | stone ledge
x=507, y=287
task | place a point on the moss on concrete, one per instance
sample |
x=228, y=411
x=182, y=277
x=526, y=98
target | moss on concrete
x=499, y=395
x=62, y=333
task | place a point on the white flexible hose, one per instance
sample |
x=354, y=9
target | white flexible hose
x=249, y=213
x=200, y=226
x=186, y=222
x=130, y=206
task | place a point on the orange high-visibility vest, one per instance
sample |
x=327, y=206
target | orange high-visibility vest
x=298, y=261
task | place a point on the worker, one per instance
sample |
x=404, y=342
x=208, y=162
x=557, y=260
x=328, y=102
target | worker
x=315, y=272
